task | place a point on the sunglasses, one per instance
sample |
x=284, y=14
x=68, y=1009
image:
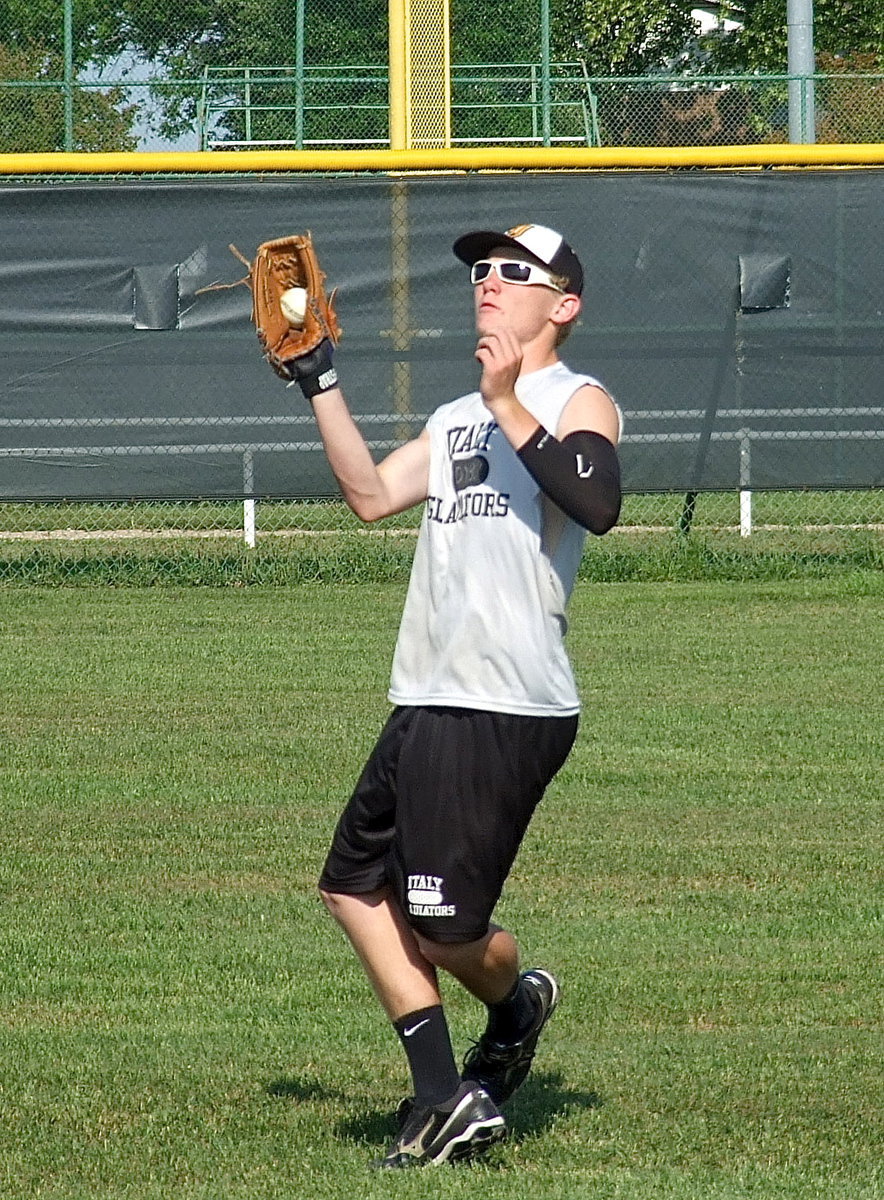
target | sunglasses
x=512, y=270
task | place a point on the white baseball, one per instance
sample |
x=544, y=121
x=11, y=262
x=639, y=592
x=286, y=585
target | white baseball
x=294, y=305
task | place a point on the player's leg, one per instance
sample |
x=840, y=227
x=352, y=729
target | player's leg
x=518, y=1008
x=445, y=1120
x=490, y=772
x=402, y=978
x=488, y=968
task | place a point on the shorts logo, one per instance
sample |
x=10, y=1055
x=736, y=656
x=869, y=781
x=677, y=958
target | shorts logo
x=426, y=896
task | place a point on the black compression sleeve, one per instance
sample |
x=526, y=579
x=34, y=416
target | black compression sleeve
x=581, y=474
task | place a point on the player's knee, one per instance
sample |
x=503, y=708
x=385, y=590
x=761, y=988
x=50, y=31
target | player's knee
x=338, y=904
x=346, y=907
x=445, y=949
x=332, y=901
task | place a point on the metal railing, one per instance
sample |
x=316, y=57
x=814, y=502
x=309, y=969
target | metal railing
x=521, y=104
x=565, y=111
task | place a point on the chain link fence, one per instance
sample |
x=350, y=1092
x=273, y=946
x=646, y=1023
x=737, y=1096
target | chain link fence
x=793, y=535
x=744, y=343
x=492, y=104
x=93, y=79
x=129, y=411
x=515, y=104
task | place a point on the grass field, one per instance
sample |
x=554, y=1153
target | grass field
x=178, y=1017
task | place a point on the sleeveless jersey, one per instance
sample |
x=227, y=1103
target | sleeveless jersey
x=484, y=617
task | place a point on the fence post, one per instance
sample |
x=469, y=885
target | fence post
x=745, y=483
x=299, y=74
x=545, y=80
x=534, y=105
x=398, y=82
x=68, y=74
x=248, y=505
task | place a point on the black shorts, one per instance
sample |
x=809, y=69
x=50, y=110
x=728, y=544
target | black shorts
x=440, y=810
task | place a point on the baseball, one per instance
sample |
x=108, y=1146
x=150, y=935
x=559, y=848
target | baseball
x=294, y=304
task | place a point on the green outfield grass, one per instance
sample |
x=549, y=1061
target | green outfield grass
x=179, y=1019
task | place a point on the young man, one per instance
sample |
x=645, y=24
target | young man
x=486, y=708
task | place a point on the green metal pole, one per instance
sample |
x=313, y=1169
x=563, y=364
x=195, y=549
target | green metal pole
x=68, y=74
x=534, y=125
x=299, y=74
x=545, y=85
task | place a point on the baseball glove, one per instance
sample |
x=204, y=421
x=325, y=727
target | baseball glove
x=298, y=353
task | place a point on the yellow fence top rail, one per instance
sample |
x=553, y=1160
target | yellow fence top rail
x=577, y=158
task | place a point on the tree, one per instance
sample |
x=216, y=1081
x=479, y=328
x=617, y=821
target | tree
x=623, y=37
x=851, y=109
x=33, y=118
x=842, y=28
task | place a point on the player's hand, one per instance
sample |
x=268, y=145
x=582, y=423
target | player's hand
x=500, y=354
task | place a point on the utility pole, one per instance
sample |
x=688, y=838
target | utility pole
x=802, y=68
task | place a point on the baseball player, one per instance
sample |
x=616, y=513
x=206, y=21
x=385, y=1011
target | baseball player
x=511, y=477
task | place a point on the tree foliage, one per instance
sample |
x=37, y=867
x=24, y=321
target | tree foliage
x=33, y=117
x=842, y=28
x=612, y=36
x=852, y=108
x=624, y=37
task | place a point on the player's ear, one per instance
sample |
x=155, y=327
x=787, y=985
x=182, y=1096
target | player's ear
x=566, y=310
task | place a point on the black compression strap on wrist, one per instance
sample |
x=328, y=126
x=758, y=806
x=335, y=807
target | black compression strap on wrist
x=314, y=372
x=581, y=474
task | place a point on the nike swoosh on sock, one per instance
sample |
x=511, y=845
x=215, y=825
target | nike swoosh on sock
x=415, y=1028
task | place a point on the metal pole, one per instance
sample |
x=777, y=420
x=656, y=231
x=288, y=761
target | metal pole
x=299, y=74
x=446, y=80
x=68, y=74
x=745, y=483
x=801, y=67
x=248, y=505
x=534, y=103
x=398, y=18
x=545, y=83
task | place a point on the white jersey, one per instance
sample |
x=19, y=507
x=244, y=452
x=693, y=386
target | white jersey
x=494, y=567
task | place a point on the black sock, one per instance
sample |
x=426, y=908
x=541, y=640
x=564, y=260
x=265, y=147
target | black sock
x=511, y=1018
x=427, y=1042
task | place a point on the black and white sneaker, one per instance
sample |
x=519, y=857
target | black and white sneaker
x=501, y=1069
x=462, y=1128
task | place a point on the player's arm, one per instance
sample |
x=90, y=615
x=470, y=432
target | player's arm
x=298, y=329
x=372, y=490
x=577, y=468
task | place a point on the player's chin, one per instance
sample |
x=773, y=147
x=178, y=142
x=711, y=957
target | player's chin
x=488, y=318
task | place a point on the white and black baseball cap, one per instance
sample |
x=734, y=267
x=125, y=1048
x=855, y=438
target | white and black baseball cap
x=545, y=245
